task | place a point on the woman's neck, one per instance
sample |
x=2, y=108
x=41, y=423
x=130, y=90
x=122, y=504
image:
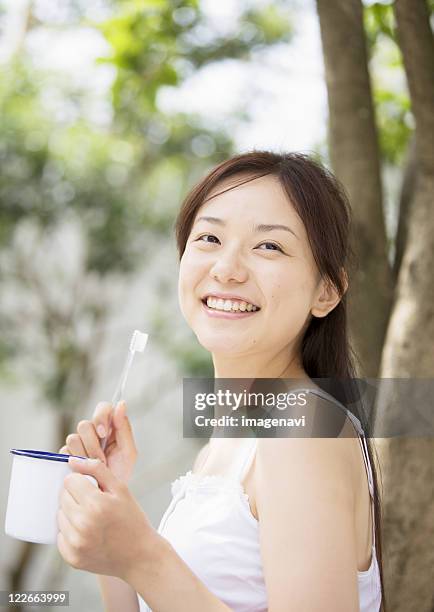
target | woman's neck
x=239, y=376
x=278, y=366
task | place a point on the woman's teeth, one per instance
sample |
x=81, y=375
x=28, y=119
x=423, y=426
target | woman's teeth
x=229, y=305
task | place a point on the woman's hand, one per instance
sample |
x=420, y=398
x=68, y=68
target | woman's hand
x=102, y=530
x=120, y=454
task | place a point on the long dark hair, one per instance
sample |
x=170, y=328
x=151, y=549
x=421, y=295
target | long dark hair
x=322, y=205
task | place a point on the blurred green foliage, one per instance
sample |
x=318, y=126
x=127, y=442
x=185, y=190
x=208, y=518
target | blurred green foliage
x=395, y=123
x=156, y=43
x=122, y=182
x=50, y=171
x=392, y=103
x=379, y=21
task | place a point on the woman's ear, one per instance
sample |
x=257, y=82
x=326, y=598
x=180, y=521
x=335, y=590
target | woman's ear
x=327, y=296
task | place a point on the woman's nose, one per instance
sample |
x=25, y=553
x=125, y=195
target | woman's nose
x=229, y=268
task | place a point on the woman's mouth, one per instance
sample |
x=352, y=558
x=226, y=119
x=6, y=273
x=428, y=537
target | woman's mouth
x=228, y=309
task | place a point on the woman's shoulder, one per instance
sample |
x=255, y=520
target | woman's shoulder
x=295, y=449
x=302, y=465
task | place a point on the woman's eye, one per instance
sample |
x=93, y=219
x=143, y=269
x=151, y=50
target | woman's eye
x=275, y=247
x=200, y=239
x=211, y=239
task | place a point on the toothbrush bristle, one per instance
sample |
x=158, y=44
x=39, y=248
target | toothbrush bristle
x=138, y=341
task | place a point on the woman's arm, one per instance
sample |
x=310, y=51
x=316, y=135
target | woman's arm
x=166, y=583
x=117, y=595
x=104, y=530
x=305, y=503
x=186, y=591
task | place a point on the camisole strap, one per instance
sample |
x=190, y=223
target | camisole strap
x=244, y=459
x=359, y=430
x=370, y=481
x=367, y=464
x=363, y=445
x=355, y=421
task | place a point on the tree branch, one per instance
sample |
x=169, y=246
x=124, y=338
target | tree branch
x=417, y=46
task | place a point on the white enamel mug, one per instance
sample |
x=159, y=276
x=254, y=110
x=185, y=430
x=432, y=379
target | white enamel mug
x=35, y=486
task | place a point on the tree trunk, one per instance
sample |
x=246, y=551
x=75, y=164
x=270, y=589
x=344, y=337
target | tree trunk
x=355, y=160
x=408, y=351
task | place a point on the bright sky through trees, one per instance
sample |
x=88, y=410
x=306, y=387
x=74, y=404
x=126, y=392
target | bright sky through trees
x=288, y=105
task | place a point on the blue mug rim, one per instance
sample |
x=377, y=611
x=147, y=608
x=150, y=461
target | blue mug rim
x=36, y=454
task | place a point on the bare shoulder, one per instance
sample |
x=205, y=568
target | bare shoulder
x=279, y=453
x=285, y=467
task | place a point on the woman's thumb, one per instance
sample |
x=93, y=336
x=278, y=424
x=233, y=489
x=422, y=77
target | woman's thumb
x=123, y=429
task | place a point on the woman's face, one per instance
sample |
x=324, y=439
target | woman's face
x=236, y=251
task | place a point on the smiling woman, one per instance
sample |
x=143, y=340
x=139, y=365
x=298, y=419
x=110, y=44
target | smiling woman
x=264, y=523
x=234, y=243
x=274, y=524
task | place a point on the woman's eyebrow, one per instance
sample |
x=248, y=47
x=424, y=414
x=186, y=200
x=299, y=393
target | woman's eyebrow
x=263, y=227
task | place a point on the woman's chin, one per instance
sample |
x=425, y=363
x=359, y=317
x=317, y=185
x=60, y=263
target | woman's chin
x=217, y=344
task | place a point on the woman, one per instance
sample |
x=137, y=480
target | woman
x=258, y=524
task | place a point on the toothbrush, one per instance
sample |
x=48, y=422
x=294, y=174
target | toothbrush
x=137, y=344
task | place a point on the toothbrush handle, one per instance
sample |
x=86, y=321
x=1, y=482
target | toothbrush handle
x=119, y=392
x=123, y=379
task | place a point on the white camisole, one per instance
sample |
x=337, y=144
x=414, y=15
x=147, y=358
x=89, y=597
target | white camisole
x=210, y=525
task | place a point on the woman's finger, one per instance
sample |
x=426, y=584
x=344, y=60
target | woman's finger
x=75, y=445
x=63, y=523
x=123, y=429
x=90, y=440
x=64, y=451
x=70, y=508
x=101, y=418
x=66, y=528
